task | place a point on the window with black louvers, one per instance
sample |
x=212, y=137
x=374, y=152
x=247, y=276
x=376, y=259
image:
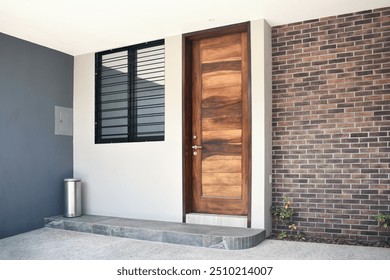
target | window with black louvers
x=130, y=94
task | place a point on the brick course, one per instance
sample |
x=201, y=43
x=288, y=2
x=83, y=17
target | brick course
x=331, y=123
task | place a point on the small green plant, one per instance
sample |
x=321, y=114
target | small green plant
x=283, y=215
x=383, y=219
x=282, y=235
x=299, y=234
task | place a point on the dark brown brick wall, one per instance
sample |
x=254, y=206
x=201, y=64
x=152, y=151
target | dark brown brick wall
x=331, y=123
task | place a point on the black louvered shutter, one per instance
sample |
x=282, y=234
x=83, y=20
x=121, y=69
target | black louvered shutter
x=130, y=94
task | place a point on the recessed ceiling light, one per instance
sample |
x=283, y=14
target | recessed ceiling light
x=211, y=19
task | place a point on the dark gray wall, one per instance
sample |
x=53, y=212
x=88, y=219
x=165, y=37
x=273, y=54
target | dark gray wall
x=33, y=161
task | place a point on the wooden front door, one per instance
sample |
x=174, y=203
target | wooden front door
x=220, y=124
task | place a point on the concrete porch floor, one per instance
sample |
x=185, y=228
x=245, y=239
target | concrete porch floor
x=217, y=237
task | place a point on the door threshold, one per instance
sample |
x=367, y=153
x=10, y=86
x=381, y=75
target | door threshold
x=217, y=220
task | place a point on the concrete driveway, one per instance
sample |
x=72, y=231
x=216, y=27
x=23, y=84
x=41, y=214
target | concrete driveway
x=56, y=244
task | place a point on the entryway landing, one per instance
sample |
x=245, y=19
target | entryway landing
x=218, y=237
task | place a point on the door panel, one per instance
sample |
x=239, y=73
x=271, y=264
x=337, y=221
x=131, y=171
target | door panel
x=221, y=165
x=216, y=78
x=220, y=124
x=233, y=91
x=227, y=136
x=223, y=48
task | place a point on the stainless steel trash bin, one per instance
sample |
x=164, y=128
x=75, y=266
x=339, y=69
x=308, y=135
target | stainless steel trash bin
x=72, y=201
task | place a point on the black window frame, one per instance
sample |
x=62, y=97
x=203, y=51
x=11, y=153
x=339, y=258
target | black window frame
x=132, y=112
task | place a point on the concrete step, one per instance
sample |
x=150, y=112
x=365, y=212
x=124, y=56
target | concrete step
x=219, y=237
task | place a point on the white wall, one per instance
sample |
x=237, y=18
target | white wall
x=144, y=180
x=138, y=180
x=261, y=59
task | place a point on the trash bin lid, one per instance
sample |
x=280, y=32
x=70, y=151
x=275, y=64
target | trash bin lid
x=71, y=180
